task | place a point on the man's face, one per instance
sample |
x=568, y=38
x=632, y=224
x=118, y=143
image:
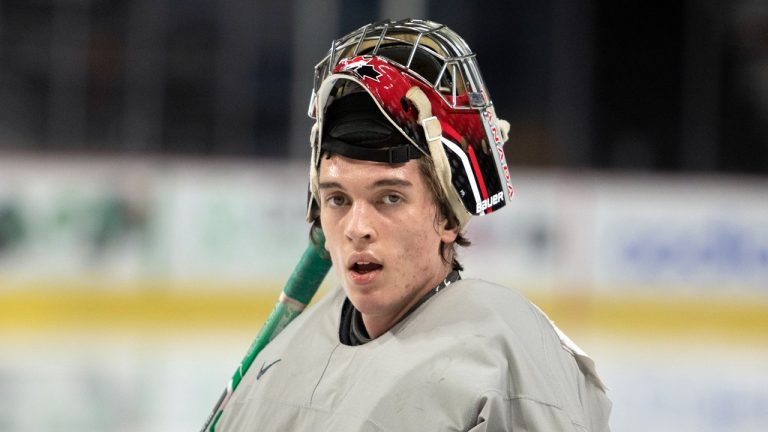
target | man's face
x=382, y=234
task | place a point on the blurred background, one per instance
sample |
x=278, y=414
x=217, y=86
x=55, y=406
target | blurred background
x=153, y=160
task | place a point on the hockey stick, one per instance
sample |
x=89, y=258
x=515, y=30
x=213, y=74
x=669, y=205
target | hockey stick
x=297, y=293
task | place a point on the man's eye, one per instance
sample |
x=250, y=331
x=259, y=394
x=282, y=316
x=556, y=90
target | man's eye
x=392, y=199
x=336, y=200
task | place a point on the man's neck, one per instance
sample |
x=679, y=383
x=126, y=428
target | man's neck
x=376, y=325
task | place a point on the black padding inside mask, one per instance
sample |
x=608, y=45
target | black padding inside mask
x=355, y=127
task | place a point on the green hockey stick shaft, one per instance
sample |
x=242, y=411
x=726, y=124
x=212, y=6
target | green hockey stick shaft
x=297, y=293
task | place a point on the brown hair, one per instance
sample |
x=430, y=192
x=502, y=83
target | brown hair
x=447, y=250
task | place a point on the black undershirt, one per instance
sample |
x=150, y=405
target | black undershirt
x=351, y=328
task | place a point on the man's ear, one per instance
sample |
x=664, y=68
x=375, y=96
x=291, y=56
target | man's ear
x=447, y=235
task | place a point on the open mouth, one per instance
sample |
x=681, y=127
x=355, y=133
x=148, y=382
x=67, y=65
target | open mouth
x=365, y=267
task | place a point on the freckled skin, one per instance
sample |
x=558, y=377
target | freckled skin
x=388, y=213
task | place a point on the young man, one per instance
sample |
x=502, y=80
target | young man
x=406, y=149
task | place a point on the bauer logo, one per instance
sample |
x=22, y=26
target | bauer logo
x=489, y=202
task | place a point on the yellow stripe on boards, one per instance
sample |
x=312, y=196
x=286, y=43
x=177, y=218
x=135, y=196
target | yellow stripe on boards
x=143, y=306
x=211, y=305
x=664, y=318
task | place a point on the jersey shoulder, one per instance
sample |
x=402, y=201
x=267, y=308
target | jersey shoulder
x=479, y=299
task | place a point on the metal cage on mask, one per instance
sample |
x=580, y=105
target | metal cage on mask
x=424, y=79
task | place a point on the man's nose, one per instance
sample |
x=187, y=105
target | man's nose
x=359, y=225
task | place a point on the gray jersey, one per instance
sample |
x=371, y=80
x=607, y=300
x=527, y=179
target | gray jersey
x=475, y=357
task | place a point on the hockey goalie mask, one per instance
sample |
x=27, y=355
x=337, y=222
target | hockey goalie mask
x=425, y=81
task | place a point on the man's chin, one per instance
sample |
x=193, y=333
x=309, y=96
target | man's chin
x=366, y=300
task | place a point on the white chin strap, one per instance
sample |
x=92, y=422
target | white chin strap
x=314, y=198
x=433, y=132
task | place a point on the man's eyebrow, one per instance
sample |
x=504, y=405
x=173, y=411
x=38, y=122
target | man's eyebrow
x=330, y=185
x=390, y=182
x=374, y=185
